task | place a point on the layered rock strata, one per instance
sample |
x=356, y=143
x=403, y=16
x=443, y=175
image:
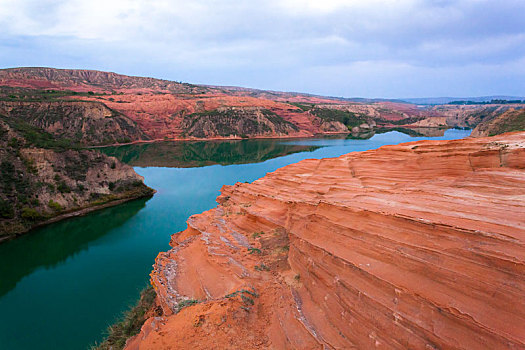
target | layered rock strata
x=41, y=181
x=102, y=107
x=82, y=122
x=511, y=120
x=414, y=246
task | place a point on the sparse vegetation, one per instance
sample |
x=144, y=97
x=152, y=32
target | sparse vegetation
x=234, y=122
x=262, y=267
x=55, y=206
x=30, y=214
x=6, y=210
x=247, y=297
x=514, y=121
x=130, y=323
x=257, y=234
x=186, y=303
x=349, y=119
x=254, y=251
x=21, y=186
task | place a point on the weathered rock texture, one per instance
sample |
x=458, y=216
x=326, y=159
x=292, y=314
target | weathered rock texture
x=237, y=121
x=511, y=120
x=472, y=115
x=139, y=108
x=414, y=246
x=86, y=123
x=41, y=181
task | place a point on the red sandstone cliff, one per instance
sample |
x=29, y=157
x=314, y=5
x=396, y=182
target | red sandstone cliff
x=147, y=108
x=419, y=245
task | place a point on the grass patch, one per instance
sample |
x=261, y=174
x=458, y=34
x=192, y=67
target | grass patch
x=257, y=234
x=130, y=323
x=186, y=303
x=254, y=251
x=247, y=297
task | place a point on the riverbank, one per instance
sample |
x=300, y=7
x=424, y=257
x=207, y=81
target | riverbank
x=16, y=230
x=131, y=322
x=277, y=137
x=97, y=264
x=294, y=258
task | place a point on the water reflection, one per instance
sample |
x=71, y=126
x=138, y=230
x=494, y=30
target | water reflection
x=46, y=247
x=202, y=153
x=190, y=154
x=68, y=281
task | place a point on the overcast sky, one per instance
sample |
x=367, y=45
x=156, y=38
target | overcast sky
x=351, y=48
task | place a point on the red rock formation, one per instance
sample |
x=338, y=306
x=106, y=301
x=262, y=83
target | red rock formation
x=419, y=245
x=510, y=120
x=162, y=109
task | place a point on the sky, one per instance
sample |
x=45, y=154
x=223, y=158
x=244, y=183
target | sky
x=348, y=48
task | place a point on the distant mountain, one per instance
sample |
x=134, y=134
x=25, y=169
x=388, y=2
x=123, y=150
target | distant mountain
x=445, y=100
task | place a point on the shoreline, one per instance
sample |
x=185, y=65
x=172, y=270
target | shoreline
x=75, y=213
x=255, y=137
x=310, y=258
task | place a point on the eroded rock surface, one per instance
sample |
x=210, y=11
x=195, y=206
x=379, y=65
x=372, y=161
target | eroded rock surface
x=105, y=107
x=418, y=245
x=510, y=120
x=42, y=180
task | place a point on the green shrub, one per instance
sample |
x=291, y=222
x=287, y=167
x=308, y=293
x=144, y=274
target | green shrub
x=14, y=143
x=6, y=210
x=30, y=214
x=30, y=165
x=254, y=251
x=55, y=206
x=62, y=187
x=186, y=303
x=50, y=187
x=257, y=234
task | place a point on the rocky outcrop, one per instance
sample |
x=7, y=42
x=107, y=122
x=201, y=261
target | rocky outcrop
x=511, y=120
x=40, y=185
x=419, y=245
x=85, y=123
x=471, y=115
x=237, y=122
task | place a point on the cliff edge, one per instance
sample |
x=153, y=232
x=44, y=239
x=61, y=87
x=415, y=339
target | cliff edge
x=419, y=245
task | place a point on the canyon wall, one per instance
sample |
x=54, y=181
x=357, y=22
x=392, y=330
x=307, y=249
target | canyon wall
x=470, y=116
x=105, y=107
x=510, y=120
x=81, y=122
x=414, y=246
x=43, y=179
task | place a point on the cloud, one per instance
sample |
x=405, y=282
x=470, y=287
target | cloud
x=303, y=45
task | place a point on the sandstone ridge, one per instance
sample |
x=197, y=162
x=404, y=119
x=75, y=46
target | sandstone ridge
x=418, y=245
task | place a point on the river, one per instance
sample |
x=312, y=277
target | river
x=63, y=284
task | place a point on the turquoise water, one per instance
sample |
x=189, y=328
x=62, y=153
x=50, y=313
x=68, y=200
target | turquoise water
x=62, y=285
